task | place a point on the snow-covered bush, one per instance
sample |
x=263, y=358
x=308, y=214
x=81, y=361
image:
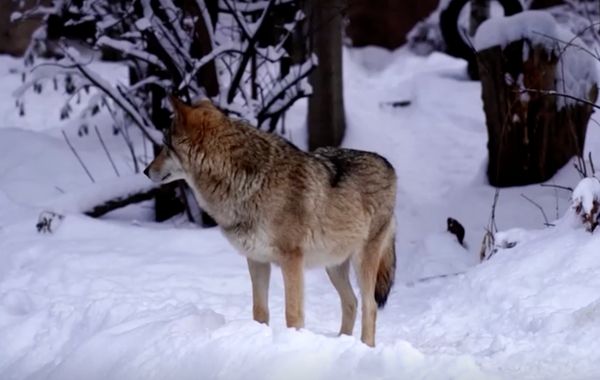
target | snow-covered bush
x=174, y=47
x=585, y=202
x=250, y=58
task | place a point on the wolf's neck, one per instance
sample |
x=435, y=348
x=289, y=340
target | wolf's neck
x=223, y=188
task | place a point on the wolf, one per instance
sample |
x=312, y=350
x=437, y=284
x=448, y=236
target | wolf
x=277, y=204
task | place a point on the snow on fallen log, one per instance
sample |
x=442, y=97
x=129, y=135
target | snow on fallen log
x=102, y=197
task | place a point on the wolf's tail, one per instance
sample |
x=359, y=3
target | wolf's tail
x=386, y=272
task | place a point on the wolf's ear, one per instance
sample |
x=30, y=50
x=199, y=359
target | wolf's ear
x=179, y=107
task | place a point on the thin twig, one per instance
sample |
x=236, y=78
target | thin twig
x=437, y=277
x=492, y=226
x=546, y=222
x=77, y=156
x=124, y=134
x=487, y=244
x=556, y=93
x=106, y=151
x=557, y=186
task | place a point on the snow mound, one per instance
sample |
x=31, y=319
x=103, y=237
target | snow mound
x=538, y=26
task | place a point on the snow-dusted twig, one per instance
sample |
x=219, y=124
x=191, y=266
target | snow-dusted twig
x=274, y=97
x=255, y=6
x=488, y=242
x=77, y=156
x=198, y=64
x=556, y=93
x=127, y=48
x=546, y=222
x=112, y=163
x=252, y=40
x=125, y=135
x=557, y=186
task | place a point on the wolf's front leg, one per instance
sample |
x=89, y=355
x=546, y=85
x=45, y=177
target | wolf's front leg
x=260, y=274
x=340, y=277
x=292, y=267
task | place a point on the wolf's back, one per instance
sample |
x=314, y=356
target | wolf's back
x=355, y=165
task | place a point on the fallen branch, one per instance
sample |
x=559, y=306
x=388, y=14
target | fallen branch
x=120, y=202
x=546, y=222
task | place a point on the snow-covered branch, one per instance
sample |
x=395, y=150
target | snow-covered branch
x=103, y=85
x=128, y=48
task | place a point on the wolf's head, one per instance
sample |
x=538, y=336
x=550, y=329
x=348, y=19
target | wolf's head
x=183, y=141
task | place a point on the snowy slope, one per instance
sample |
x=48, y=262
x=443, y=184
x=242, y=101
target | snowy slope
x=116, y=299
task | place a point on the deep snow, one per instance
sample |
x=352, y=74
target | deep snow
x=125, y=298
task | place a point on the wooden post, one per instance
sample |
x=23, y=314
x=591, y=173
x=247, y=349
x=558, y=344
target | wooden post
x=530, y=136
x=326, y=118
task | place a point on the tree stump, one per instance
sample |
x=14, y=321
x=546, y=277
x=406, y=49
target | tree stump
x=532, y=130
x=539, y=84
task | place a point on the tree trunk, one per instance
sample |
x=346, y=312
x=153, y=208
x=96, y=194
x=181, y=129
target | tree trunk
x=202, y=45
x=326, y=120
x=530, y=135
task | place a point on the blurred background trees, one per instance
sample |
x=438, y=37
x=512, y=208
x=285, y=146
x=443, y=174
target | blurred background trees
x=254, y=59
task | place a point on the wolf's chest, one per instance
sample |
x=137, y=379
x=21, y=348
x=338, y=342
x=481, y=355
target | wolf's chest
x=256, y=245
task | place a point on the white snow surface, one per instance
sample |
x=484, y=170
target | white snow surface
x=123, y=297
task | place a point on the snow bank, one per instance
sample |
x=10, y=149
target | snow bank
x=89, y=196
x=102, y=299
x=576, y=72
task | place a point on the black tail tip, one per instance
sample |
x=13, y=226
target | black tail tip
x=381, y=297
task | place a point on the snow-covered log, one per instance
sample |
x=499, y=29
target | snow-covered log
x=539, y=86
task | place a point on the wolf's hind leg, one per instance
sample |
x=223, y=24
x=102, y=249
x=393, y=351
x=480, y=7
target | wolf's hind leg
x=340, y=278
x=366, y=264
x=292, y=267
x=260, y=274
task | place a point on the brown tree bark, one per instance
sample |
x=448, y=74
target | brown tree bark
x=326, y=118
x=530, y=137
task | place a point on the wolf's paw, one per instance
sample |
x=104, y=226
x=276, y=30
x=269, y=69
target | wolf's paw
x=48, y=221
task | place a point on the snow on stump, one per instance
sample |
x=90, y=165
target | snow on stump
x=585, y=201
x=527, y=63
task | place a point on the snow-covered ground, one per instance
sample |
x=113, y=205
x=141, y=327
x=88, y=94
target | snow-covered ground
x=125, y=298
